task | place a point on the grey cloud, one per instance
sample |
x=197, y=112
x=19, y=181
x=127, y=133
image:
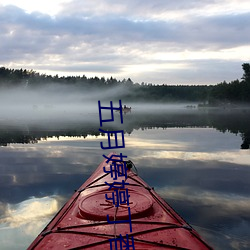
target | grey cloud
x=220, y=31
x=98, y=40
x=134, y=8
x=209, y=71
x=85, y=68
x=217, y=31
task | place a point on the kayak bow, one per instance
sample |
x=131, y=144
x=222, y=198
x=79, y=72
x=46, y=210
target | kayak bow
x=145, y=220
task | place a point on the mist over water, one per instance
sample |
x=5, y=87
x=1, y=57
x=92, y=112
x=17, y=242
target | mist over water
x=55, y=102
x=58, y=109
x=60, y=102
x=191, y=156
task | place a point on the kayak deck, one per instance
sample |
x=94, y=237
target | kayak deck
x=144, y=221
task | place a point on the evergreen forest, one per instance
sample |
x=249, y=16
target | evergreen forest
x=224, y=93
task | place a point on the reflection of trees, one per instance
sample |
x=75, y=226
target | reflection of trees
x=246, y=141
x=19, y=134
x=234, y=121
x=16, y=137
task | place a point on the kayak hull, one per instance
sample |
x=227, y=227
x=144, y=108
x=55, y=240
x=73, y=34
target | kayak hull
x=90, y=220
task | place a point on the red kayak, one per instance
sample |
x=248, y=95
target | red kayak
x=116, y=209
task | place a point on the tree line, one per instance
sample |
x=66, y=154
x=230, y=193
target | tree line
x=236, y=91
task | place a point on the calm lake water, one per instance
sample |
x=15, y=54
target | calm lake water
x=197, y=160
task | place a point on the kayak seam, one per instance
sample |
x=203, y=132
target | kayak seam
x=135, y=239
x=172, y=226
x=135, y=222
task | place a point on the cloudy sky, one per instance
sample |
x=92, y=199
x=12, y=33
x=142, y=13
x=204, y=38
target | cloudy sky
x=154, y=41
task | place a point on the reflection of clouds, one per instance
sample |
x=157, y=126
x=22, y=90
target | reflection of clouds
x=2, y=209
x=173, y=143
x=22, y=222
x=203, y=179
x=222, y=219
x=227, y=240
x=29, y=212
x=150, y=144
x=228, y=203
x=186, y=139
x=64, y=157
x=236, y=156
x=156, y=139
x=34, y=170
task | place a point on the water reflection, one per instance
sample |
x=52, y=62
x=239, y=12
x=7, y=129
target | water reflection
x=233, y=121
x=193, y=161
x=29, y=210
x=20, y=222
